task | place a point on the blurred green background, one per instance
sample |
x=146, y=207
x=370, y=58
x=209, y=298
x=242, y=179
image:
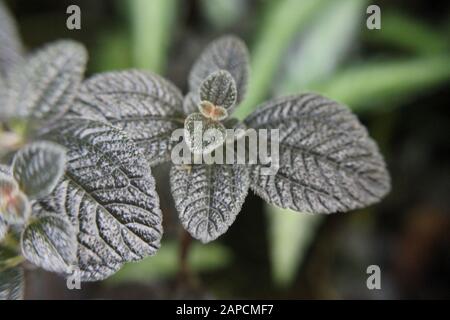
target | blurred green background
x=397, y=80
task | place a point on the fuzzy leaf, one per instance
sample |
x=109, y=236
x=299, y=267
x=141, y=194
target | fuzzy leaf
x=10, y=45
x=145, y=105
x=328, y=163
x=209, y=197
x=12, y=284
x=14, y=205
x=203, y=135
x=45, y=85
x=226, y=53
x=109, y=195
x=50, y=243
x=38, y=167
x=219, y=88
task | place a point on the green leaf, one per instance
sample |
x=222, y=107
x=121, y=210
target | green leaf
x=320, y=50
x=384, y=84
x=109, y=195
x=201, y=258
x=46, y=84
x=410, y=34
x=209, y=197
x=284, y=20
x=151, y=25
x=38, y=167
x=291, y=234
x=226, y=53
x=50, y=243
x=328, y=163
x=143, y=104
x=314, y=57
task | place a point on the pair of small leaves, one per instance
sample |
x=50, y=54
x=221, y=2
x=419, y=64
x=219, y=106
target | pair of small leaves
x=108, y=194
x=44, y=86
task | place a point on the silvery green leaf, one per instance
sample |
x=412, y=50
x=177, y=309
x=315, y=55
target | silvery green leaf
x=190, y=103
x=203, y=135
x=14, y=205
x=38, y=167
x=226, y=53
x=209, y=197
x=46, y=84
x=328, y=163
x=12, y=284
x=146, y=106
x=219, y=88
x=80, y=109
x=50, y=243
x=108, y=193
x=10, y=44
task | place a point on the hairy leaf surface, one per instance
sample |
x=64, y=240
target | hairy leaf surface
x=11, y=50
x=109, y=195
x=203, y=135
x=209, y=197
x=227, y=53
x=38, y=167
x=219, y=88
x=328, y=163
x=50, y=243
x=45, y=85
x=144, y=105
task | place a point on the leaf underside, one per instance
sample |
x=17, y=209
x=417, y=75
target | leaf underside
x=328, y=163
x=226, y=53
x=50, y=243
x=38, y=167
x=209, y=197
x=109, y=195
x=146, y=106
x=45, y=85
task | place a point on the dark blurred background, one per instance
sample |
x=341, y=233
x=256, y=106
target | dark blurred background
x=397, y=80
